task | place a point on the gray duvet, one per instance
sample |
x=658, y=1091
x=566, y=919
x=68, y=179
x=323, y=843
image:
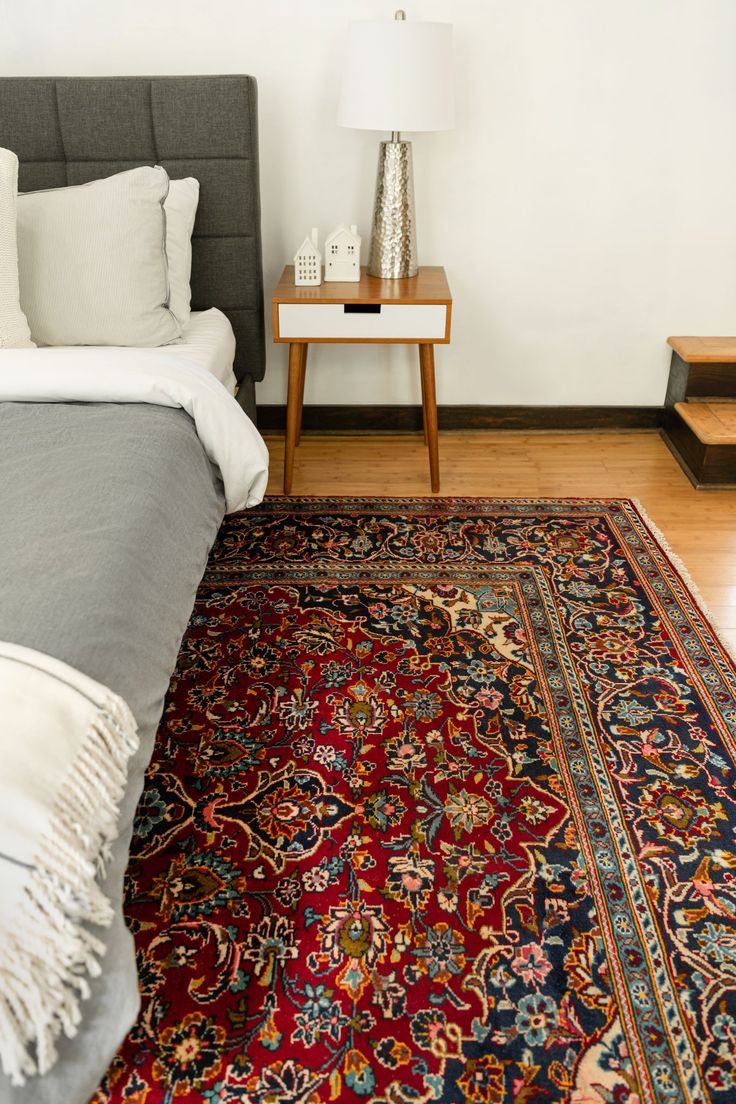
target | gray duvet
x=107, y=514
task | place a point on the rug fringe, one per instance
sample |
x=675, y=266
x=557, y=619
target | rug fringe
x=686, y=577
x=46, y=960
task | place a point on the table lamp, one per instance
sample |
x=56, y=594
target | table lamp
x=397, y=77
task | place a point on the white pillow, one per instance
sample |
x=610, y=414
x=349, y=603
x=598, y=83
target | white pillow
x=180, y=209
x=14, y=332
x=92, y=262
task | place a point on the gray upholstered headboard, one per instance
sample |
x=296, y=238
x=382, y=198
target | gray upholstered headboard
x=69, y=130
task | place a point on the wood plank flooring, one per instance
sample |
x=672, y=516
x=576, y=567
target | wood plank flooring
x=700, y=526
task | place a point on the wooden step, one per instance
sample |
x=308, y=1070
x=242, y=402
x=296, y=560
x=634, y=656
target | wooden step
x=713, y=423
x=705, y=350
x=701, y=367
x=702, y=436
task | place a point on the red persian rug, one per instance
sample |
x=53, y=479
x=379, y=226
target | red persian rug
x=442, y=809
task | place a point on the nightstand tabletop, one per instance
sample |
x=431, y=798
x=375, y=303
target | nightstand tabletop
x=428, y=286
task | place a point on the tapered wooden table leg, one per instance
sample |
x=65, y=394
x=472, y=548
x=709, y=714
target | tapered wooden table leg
x=297, y=367
x=302, y=377
x=429, y=405
x=424, y=416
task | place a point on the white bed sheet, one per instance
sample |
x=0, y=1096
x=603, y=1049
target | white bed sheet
x=208, y=340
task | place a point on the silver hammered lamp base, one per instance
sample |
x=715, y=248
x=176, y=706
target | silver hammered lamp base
x=394, y=240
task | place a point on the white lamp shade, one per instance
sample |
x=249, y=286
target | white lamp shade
x=397, y=75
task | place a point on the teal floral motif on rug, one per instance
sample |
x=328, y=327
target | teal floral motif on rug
x=442, y=809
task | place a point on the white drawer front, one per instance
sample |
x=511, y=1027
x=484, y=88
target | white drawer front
x=394, y=322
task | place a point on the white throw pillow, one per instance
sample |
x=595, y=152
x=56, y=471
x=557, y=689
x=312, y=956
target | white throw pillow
x=92, y=262
x=180, y=209
x=14, y=332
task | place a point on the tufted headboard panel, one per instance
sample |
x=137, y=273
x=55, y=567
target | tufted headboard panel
x=68, y=130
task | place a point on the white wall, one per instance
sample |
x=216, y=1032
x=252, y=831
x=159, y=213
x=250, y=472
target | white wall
x=584, y=207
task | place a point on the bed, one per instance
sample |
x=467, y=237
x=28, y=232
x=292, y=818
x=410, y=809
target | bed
x=109, y=509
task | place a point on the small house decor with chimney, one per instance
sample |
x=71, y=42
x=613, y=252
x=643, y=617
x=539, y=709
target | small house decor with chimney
x=342, y=254
x=308, y=261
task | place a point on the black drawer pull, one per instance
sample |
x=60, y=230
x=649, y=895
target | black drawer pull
x=361, y=308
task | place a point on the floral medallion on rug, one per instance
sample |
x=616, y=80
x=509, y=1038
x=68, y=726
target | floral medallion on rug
x=442, y=809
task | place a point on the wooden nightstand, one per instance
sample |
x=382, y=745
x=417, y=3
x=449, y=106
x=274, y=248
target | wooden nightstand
x=415, y=311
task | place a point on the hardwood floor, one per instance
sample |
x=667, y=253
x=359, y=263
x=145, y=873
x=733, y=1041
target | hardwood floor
x=700, y=526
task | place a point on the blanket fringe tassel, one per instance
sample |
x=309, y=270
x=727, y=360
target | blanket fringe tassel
x=45, y=962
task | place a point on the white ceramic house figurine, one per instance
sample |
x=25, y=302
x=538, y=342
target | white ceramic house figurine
x=308, y=261
x=342, y=254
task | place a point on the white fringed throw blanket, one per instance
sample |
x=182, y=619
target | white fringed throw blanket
x=65, y=742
